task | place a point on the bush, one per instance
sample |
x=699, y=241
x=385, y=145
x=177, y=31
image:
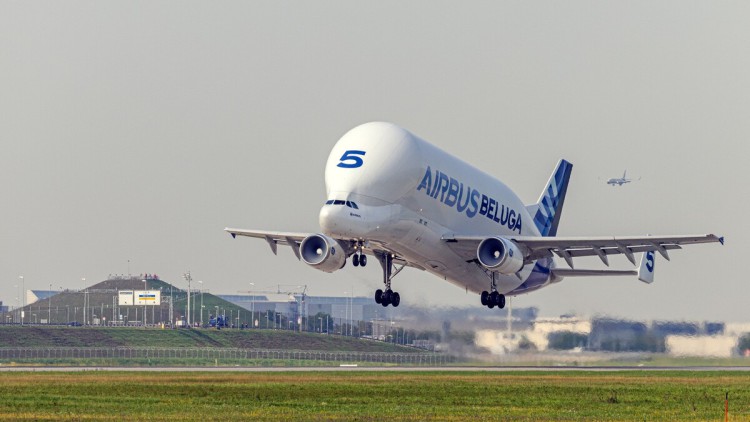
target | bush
x=567, y=340
x=744, y=344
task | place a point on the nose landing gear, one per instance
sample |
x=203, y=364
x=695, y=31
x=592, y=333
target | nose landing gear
x=359, y=259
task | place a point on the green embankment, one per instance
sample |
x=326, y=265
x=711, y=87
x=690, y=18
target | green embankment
x=45, y=337
x=101, y=303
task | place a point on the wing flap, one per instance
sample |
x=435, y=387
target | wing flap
x=572, y=247
x=273, y=238
x=270, y=236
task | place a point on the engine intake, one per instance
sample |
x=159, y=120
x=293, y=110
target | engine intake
x=500, y=254
x=323, y=253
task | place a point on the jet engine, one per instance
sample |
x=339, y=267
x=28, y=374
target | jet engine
x=323, y=253
x=500, y=254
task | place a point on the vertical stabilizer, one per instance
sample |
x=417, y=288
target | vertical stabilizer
x=547, y=211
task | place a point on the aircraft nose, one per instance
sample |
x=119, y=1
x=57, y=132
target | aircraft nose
x=327, y=219
x=341, y=218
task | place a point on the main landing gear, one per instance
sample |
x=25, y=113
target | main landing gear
x=493, y=297
x=387, y=297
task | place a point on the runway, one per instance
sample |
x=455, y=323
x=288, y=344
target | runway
x=379, y=369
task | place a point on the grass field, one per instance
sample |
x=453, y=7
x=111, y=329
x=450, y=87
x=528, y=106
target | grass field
x=41, y=336
x=374, y=396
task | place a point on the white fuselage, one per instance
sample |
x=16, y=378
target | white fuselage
x=618, y=182
x=408, y=194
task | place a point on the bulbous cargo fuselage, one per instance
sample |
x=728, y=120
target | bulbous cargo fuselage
x=387, y=186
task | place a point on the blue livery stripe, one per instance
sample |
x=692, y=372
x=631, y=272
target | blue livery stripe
x=538, y=278
x=550, y=205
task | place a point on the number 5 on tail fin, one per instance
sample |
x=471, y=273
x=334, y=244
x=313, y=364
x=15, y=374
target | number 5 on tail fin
x=646, y=271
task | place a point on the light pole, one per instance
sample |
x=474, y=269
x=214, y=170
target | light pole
x=49, y=306
x=252, y=306
x=201, y=283
x=145, y=287
x=188, y=278
x=171, y=308
x=348, y=311
x=83, y=279
x=23, y=297
x=18, y=308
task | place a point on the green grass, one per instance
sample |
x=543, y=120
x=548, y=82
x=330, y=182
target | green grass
x=374, y=396
x=39, y=337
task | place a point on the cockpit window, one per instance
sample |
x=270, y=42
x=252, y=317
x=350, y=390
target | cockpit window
x=350, y=204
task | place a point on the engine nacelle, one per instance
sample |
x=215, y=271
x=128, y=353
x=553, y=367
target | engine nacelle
x=500, y=254
x=323, y=253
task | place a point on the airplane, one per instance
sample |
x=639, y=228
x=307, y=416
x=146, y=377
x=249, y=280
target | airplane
x=620, y=181
x=395, y=197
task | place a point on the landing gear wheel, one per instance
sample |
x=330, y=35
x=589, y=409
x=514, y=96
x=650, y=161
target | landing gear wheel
x=362, y=260
x=495, y=299
x=501, y=302
x=387, y=297
x=355, y=260
x=484, y=298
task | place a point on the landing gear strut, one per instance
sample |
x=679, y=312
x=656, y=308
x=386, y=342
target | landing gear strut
x=387, y=297
x=493, y=297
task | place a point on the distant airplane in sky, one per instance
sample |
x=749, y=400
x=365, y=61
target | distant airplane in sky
x=398, y=198
x=620, y=181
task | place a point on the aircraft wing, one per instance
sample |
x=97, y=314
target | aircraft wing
x=567, y=272
x=273, y=238
x=571, y=247
x=293, y=239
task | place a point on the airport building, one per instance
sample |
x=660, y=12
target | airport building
x=355, y=308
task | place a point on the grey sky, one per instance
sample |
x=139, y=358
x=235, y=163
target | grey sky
x=139, y=130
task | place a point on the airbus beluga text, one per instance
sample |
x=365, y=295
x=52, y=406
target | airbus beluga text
x=403, y=201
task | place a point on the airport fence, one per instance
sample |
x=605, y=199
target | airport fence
x=212, y=353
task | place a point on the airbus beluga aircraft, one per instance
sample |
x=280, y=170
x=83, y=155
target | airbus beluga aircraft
x=405, y=202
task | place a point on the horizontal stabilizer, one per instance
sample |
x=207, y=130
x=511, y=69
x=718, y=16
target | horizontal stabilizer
x=646, y=270
x=569, y=272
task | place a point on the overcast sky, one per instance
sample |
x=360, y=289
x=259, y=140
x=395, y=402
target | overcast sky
x=136, y=131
